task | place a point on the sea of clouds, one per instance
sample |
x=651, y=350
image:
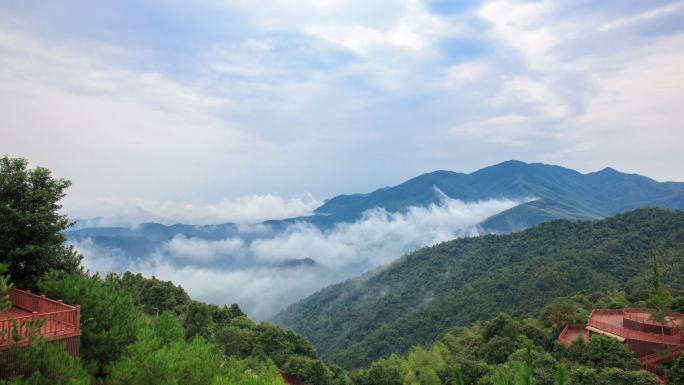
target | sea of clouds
x=248, y=209
x=266, y=273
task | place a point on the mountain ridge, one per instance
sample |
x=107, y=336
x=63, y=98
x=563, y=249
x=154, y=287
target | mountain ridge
x=561, y=193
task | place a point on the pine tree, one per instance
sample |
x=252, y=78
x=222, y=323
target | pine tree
x=561, y=374
x=523, y=374
x=32, y=240
x=457, y=376
x=661, y=299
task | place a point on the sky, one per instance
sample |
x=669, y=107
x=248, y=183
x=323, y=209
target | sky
x=231, y=110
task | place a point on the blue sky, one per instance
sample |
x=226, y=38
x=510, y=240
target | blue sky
x=247, y=110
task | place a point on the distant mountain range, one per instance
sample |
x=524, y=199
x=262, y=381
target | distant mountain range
x=420, y=296
x=560, y=193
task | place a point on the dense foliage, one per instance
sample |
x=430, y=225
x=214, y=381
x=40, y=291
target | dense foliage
x=155, y=296
x=5, y=286
x=421, y=295
x=31, y=228
x=109, y=318
x=162, y=356
x=43, y=363
x=122, y=345
x=676, y=372
x=504, y=350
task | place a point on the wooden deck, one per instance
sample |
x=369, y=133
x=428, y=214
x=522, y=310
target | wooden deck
x=612, y=321
x=62, y=321
x=571, y=333
x=643, y=336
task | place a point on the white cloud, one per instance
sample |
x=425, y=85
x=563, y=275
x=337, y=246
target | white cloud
x=250, y=209
x=536, y=95
x=273, y=100
x=466, y=74
x=510, y=130
x=199, y=251
x=520, y=24
x=257, y=272
x=115, y=131
x=635, y=110
x=648, y=15
x=416, y=30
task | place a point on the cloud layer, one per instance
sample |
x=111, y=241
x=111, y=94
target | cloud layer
x=171, y=112
x=265, y=274
x=168, y=102
x=243, y=210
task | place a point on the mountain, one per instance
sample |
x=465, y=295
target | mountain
x=422, y=294
x=139, y=241
x=560, y=193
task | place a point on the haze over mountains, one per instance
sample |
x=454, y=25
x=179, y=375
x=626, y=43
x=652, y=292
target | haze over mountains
x=285, y=260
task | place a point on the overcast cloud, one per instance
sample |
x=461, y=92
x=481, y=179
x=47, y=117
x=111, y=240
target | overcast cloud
x=242, y=210
x=198, y=104
x=229, y=110
x=264, y=275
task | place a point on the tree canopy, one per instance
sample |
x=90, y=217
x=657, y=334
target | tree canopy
x=422, y=294
x=32, y=241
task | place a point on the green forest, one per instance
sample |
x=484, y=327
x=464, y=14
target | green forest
x=140, y=330
x=421, y=295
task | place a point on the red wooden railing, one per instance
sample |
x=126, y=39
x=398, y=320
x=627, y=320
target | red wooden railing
x=61, y=320
x=650, y=361
x=641, y=316
x=621, y=331
x=37, y=303
x=571, y=332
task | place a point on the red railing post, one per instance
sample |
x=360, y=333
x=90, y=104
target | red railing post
x=34, y=318
x=43, y=303
x=78, y=318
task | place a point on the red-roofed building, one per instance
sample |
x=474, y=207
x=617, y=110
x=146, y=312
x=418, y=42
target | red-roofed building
x=650, y=341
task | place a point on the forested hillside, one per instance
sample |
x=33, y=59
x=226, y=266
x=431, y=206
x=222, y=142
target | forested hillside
x=421, y=295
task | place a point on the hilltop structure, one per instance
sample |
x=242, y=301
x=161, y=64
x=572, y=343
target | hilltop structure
x=650, y=341
x=59, y=323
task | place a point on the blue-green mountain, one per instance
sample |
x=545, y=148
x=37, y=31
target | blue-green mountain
x=554, y=192
x=560, y=193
